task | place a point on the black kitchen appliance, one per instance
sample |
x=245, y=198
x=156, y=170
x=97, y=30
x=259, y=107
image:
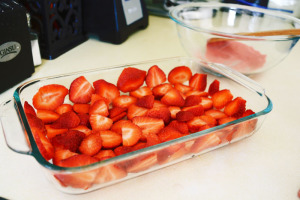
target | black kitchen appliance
x=16, y=61
x=113, y=20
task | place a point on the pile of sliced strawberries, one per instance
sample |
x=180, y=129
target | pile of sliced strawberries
x=142, y=109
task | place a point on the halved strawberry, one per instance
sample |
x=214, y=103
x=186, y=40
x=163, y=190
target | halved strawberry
x=214, y=87
x=192, y=100
x=49, y=97
x=146, y=101
x=170, y=153
x=209, y=120
x=174, y=110
x=105, y=154
x=115, y=111
x=155, y=76
x=184, y=116
x=221, y=98
x=96, y=97
x=196, y=124
x=226, y=120
x=69, y=140
x=179, y=74
x=110, y=139
x=236, y=107
x=47, y=116
x=120, y=150
x=248, y=112
x=91, y=144
x=110, y=173
x=81, y=90
x=82, y=180
x=161, y=90
x=217, y=114
x=168, y=133
x=158, y=104
x=61, y=154
x=83, y=129
x=198, y=81
x=173, y=98
x=134, y=110
x=119, y=117
x=106, y=89
x=29, y=109
x=51, y=132
x=182, y=88
x=84, y=119
x=67, y=120
x=182, y=127
x=141, y=92
x=160, y=113
x=141, y=163
x=207, y=103
x=205, y=142
x=81, y=108
x=148, y=125
x=99, y=107
x=152, y=139
x=139, y=145
x=124, y=101
x=131, y=133
x=196, y=93
x=100, y=123
x=131, y=79
x=197, y=110
x=64, y=108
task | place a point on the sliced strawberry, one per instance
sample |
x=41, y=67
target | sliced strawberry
x=69, y=140
x=91, y=144
x=179, y=74
x=81, y=90
x=61, y=154
x=209, y=120
x=236, y=107
x=119, y=117
x=152, y=139
x=207, y=103
x=182, y=88
x=158, y=104
x=155, y=76
x=115, y=111
x=51, y=132
x=131, y=79
x=197, y=110
x=168, y=133
x=217, y=114
x=29, y=109
x=82, y=180
x=174, y=110
x=64, y=108
x=49, y=97
x=105, y=154
x=170, y=153
x=248, y=112
x=146, y=101
x=83, y=129
x=67, y=120
x=110, y=173
x=124, y=101
x=226, y=120
x=141, y=163
x=173, y=98
x=184, y=116
x=81, y=108
x=192, y=100
x=131, y=133
x=196, y=124
x=47, y=116
x=100, y=123
x=84, y=119
x=99, y=107
x=134, y=110
x=160, y=113
x=221, y=98
x=198, y=81
x=96, y=97
x=182, y=127
x=120, y=150
x=141, y=92
x=110, y=139
x=148, y=125
x=139, y=145
x=162, y=89
x=214, y=87
x=205, y=142
x=106, y=89
x=196, y=93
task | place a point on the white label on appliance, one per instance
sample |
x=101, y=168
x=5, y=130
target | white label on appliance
x=132, y=10
x=9, y=51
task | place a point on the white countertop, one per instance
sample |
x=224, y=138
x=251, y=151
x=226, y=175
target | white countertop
x=264, y=166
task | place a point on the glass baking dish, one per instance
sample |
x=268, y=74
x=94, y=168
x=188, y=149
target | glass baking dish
x=20, y=139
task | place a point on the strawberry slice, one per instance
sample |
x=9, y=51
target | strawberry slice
x=130, y=132
x=152, y=139
x=192, y=100
x=131, y=79
x=119, y=117
x=120, y=150
x=115, y=111
x=100, y=123
x=197, y=93
x=110, y=139
x=214, y=87
x=236, y=107
x=196, y=124
x=47, y=116
x=141, y=163
x=83, y=129
x=170, y=153
x=124, y=101
x=207, y=103
x=134, y=110
x=49, y=97
x=146, y=101
x=82, y=180
x=91, y=144
x=184, y=116
x=168, y=133
x=221, y=98
x=110, y=173
x=81, y=90
x=148, y=125
x=67, y=120
x=69, y=140
x=160, y=113
x=84, y=119
x=179, y=74
x=182, y=88
x=104, y=154
x=81, y=108
x=96, y=97
x=29, y=109
x=158, y=104
x=106, y=89
x=162, y=89
x=217, y=114
x=51, y=132
x=63, y=108
x=182, y=127
x=155, y=76
x=61, y=154
x=174, y=110
x=141, y=92
x=99, y=107
x=198, y=81
x=205, y=142
x=197, y=110
x=173, y=98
